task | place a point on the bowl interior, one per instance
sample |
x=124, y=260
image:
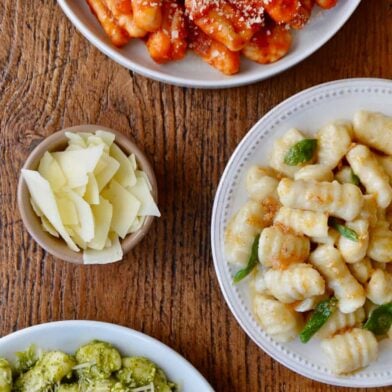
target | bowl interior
x=56, y=246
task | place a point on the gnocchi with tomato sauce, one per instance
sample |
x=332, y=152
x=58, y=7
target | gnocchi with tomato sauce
x=219, y=31
x=319, y=263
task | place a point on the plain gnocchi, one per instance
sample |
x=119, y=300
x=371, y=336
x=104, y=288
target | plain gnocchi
x=277, y=319
x=296, y=283
x=325, y=241
x=349, y=292
x=279, y=249
x=341, y=321
x=350, y=350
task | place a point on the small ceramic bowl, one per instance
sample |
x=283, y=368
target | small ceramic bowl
x=57, y=142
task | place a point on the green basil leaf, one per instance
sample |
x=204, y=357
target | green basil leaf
x=300, y=152
x=380, y=319
x=318, y=318
x=252, y=262
x=355, y=179
x=344, y=230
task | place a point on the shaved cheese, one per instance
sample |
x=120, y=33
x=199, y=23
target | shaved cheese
x=75, y=236
x=102, y=213
x=105, y=175
x=51, y=171
x=67, y=209
x=75, y=139
x=76, y=164
x=48, y=227
x=85, y=135
x=125, y=174
x=106, y=255
x=42, y=194
x=132, y=159
x=102, y=163
x=141, y=173
x=84, y=365
x=36, y=209
x=142, y=192
x=80, y=190
x=94, y=140
x=137, y=224
x=74, y=147
x=92, y=192
x=85, y=229
x=146, y=388
x=107, y=137
x=70, y=230
x=125, y=207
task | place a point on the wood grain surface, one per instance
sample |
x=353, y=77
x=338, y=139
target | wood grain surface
x=50, y=78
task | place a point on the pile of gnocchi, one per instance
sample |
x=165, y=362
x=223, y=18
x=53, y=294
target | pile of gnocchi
x=314, y=239
x=95, y=367
x=218, y=31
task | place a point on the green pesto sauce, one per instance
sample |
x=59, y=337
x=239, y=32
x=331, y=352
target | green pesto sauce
x=95, y=367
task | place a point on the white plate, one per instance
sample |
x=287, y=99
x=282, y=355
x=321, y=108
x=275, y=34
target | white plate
x=192, y=71
x=70, y=335
x=306, y=111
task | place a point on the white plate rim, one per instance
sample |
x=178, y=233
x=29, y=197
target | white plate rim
x=108, y=326
x=232, y=81
x=226, y=287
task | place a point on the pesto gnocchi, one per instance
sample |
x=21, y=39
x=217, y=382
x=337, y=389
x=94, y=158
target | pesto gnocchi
x=318, y=261
x=95, y=367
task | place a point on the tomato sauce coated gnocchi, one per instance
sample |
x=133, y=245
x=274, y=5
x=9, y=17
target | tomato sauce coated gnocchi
x=219, y=31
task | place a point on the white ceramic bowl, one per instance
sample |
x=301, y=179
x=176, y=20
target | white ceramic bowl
x=192, y=71
x=306, y=111
x=69, y=335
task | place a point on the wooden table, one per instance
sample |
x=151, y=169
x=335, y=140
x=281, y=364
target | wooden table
x=51, y=78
